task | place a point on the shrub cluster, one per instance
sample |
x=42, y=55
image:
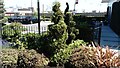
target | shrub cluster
x=94, y=57
x=55, y=46
x=13, y=58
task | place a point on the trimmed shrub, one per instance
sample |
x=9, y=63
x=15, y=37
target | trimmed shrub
x=63, y=55
x=71, y=29
x=83, y=57
x=12, y=30
x=31, y=40
x=31, y=59
x=13, y=58
x=9, y=57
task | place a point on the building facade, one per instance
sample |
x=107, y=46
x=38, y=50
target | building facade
x=113, y=14
x=19, y=11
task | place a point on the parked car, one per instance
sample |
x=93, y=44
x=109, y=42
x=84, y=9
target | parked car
x=22, y=19
x=34, y=19
x=12, y=19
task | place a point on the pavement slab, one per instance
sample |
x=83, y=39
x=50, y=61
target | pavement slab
x=109, y=38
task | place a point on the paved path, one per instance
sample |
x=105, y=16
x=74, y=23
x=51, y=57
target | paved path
x=110, y=38
x=4, y=44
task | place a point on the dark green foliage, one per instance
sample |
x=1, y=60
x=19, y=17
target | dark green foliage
x=63, y=55
x=12, y=33
x=52, y=41
x=72, y=31
x=57, y=31
x=85, y=31
x=31, y=40
x=57, y=12
x=41, y=43
x=79, y=18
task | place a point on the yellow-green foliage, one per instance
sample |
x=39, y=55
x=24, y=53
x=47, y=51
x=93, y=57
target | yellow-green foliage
x=23, y=58
x=63, y=55
x=9, y=56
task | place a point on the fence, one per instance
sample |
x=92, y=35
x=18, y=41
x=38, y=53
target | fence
x=29, y=28
x=10, y=31
x=97, y=32
x=34, y=29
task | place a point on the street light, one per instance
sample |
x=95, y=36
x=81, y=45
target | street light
x=38, y=8
x=76, y=2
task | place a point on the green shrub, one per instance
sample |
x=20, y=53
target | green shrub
x=63, y=55
x=9, y=57
x=13, y=58
x=57, y=34
x=82, y=57
x=85, y=31
x=31, y=40
x=12, y=32
x=71, y=29
x=31, y=59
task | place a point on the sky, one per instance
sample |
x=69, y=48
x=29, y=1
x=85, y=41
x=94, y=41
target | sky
x=83, y=5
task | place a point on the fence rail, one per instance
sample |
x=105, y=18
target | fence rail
x=33, y=28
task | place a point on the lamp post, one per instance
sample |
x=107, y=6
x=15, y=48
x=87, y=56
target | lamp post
x=76, y=2
x=38, y=8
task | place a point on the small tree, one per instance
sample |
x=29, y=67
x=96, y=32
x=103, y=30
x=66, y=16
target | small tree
x=72, y=31
x=56, y=37
x=58, y=31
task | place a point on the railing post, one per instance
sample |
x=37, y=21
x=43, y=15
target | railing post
x=0, y=30
x=99, y=33
x=0, y=44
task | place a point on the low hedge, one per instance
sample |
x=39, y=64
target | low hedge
x=13, y=58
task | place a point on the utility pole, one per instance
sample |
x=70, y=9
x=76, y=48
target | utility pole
x=38, y=5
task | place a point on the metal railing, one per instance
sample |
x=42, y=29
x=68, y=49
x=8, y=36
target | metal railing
x=24, y=29
x=97, y=32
